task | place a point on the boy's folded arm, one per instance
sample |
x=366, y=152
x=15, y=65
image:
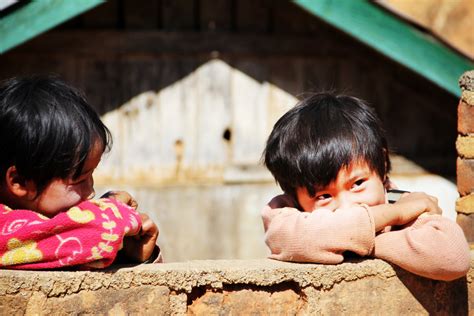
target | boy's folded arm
x=320, y=237
x=433, y=247
x=89, y=234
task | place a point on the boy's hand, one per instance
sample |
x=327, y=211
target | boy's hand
x=140, y=247
x=408, y=208
x=415, y=204
x=123, y=197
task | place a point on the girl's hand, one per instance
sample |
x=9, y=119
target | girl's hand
x=140, y=247
x=123, y=197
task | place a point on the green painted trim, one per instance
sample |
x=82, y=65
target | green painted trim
x=394, y=38
x=37, y=17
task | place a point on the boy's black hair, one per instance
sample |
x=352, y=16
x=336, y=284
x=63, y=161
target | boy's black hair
x=320, y=135
x=47, y=129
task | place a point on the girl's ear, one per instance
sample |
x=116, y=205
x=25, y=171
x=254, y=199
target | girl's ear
x=18, y=186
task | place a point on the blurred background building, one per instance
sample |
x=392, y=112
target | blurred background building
x=191, y=89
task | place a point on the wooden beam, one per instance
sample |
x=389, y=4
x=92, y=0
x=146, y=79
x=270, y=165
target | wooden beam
x=394, y=38
x=37, y=17
x=157, y=43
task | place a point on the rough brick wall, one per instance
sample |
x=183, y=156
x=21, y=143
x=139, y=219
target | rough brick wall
x=235, y=287
x=465, y=161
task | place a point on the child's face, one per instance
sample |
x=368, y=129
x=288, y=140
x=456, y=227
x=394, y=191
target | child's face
x=357, y=184
x=61, y=194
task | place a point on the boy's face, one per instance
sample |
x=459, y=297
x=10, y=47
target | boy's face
x=62, y=194
x=357, y=184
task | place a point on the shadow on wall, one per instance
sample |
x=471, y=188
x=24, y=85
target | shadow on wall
x=433, y=301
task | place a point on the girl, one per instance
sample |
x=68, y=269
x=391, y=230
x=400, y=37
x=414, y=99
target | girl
x=330, y=156
x=51, y=141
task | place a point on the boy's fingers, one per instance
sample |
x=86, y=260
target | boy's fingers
x=434, y=199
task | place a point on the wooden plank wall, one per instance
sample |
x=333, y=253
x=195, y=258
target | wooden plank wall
x=125, y=49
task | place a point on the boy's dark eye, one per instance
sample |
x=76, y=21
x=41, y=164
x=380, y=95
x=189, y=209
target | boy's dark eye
x=358, y=183
x=323, y=197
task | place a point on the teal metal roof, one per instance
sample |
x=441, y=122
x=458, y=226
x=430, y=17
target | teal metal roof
x=394, y=38
x=36, y=17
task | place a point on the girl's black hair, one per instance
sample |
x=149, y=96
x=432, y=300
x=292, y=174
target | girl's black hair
x=47, y=129
x=322, y=134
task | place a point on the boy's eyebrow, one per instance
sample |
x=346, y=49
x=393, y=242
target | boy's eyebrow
x=357, y=174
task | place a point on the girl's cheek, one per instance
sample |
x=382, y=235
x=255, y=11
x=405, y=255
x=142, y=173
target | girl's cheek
x=74, y=194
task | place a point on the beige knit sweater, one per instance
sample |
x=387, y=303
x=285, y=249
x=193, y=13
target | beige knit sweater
x=432, y=246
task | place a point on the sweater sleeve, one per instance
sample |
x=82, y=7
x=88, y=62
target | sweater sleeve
x=320, y=236
x=432, y=246
x=88, y=235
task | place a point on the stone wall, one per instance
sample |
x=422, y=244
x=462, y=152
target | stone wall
x=465, y=161
x=236, y=287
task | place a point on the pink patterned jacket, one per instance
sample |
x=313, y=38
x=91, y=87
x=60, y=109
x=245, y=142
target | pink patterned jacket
x=431, y=246
x=88, y=235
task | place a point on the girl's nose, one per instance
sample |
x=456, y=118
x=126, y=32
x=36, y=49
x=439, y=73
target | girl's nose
x=90, y=186
x=91, y=195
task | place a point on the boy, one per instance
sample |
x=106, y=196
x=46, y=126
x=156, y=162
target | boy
x=330, y=156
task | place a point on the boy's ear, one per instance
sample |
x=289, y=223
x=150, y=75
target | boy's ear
x=389, y=185
x=18, y=185
x=386, y=165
